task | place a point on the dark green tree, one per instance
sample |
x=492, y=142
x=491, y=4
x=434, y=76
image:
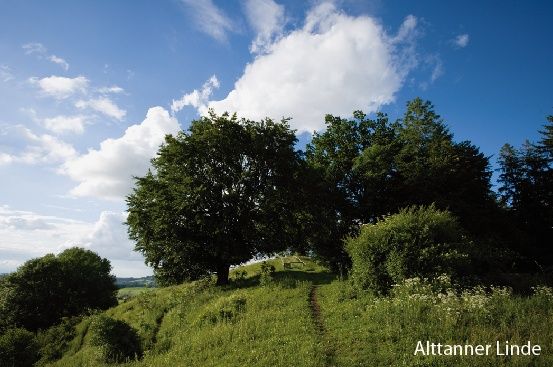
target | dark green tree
x=218, y=195
x=526, y=191
x=45, y=289
x=374, y=167
x=18, y=348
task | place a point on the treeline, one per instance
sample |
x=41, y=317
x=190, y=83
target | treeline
x=230, y=188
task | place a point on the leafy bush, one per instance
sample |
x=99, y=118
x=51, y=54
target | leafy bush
x=44, y=290
x=416, y=242
x=55, y=340
x=118, y=342
x=267, y=272
x=18, y=348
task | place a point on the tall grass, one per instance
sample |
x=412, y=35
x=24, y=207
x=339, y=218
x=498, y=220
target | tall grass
x=248, y=324
x=384, y=331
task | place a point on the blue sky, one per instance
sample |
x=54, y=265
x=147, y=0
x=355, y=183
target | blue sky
x=88, y=89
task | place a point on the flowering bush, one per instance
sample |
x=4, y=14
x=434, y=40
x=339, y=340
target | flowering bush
x=416, y=242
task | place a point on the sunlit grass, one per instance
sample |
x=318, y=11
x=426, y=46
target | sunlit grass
x=247, y=324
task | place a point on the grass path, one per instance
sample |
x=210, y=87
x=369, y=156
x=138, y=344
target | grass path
x=325, y=341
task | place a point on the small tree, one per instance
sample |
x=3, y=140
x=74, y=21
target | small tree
x=43, y=290
x=416, y=242
x=219, y=194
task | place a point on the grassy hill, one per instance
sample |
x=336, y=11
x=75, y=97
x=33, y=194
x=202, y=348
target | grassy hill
x=304, y=316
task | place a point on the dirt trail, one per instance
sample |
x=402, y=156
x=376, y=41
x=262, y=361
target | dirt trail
x=324, y=339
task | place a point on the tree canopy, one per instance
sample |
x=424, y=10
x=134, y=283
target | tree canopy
x=526, y=191
x=45, y=289
x=217, y=195
x=376, y=167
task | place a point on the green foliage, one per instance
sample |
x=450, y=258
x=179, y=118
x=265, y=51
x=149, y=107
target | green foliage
x=43, y=290
x=526, y=191
x=418, y=241
x=18, y=348
x=368, y=168
x=55, y=341
x=267, y=272
x=117, y=341
x=220, y=194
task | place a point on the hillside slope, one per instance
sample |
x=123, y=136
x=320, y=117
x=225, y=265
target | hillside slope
x=306, y=317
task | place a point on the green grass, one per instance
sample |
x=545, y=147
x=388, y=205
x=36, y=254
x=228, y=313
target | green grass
x=124, y=294
x=246, y=324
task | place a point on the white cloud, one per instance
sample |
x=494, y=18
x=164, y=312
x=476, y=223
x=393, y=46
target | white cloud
x=28, y=235
x=61, y=87
x=113, y=89
x=65, y=124
x=103, y=105
x=210, y=19
x=267, y=19
x=334, y=64
x=59, y=61
x=109, y=237
x=461, y=40
x=197, y=98
x=36, y=149
x=107, y=172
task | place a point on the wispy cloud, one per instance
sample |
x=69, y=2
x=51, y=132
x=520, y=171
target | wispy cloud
x=5, y=73
x=197, y=98
x=109, y=90
x=37, y=149
x=210, y=19
x=267, y=18
x=38, y=49
x=103, y=105
x=34, y=48
x=461, y=40
x=59, y=61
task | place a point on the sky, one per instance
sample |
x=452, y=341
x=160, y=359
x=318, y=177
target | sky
x=89, y=89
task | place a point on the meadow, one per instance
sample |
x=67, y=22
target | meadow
x=305, y=316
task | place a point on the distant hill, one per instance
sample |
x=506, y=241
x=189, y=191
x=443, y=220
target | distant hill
x=135, y=282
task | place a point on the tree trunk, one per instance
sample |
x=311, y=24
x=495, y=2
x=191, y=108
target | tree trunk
x=222, y=274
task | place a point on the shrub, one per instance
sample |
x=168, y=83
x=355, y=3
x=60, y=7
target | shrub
x=416, y=242
x=44, y=290
x=18, y=347
x=267, y=272
x=118, y=342
x=55, y=340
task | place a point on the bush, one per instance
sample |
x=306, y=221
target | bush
x=44, y=290
x=118, y=342
x=18, y=348
x=267, y=273
x=55, y=340
x=416, y=242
